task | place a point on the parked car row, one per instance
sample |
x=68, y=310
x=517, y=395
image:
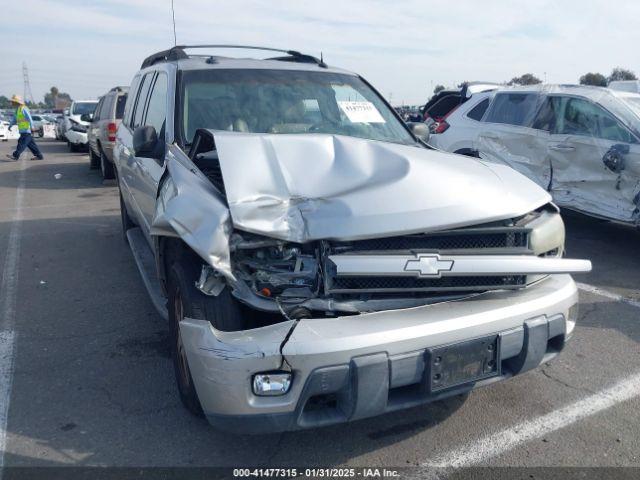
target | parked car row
x=582, y=144
x=316, y=260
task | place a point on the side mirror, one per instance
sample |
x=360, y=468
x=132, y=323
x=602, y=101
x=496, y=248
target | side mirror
x=65, y=112
x=86, y=117
x=420, y=130
x=145, y=141
x=614, y=159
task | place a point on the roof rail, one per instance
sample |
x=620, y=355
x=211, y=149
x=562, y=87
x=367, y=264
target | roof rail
x=178, y=53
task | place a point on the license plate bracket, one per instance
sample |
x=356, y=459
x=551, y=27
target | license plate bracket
x=465, y=362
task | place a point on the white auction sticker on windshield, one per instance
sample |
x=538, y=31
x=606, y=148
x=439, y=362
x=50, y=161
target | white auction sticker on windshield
x=361, y=112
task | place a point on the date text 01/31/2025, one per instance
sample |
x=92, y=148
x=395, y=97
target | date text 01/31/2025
x=363, y=472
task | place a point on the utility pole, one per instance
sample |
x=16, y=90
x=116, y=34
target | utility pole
x=26, y=85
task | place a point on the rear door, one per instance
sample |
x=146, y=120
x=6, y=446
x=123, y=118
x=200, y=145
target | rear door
x=584, y=134
x=507, y=135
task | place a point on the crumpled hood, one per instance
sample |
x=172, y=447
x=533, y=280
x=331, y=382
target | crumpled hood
x=316, y=186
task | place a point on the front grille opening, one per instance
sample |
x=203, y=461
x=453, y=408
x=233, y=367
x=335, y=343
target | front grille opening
x=508, y=238
x=382, y=284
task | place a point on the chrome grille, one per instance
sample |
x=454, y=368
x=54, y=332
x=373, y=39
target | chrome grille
x=472, y=241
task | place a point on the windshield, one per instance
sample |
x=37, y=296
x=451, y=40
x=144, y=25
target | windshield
x=284, y=101
x=80, y=108
x=626, y=112
x=634, y=103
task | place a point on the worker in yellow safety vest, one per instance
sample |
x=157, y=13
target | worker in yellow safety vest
x=24, y=121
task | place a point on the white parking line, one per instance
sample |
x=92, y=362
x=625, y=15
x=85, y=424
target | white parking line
x=493, y=445
x=604, y=293
x=8, y=291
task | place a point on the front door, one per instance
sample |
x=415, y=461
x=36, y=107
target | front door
x=582, y=148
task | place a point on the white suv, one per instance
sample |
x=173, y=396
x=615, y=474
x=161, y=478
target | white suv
x=456, y=132
x=77, y=126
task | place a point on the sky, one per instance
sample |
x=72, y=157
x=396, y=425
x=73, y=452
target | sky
x=404, y=48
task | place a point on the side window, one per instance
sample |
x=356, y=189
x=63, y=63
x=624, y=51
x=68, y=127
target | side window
x=157, y=109
x=96, y=113
x=513, y=108
x=126, y=117
x=141, y=100
x=547, y=116
x=582, y=117
x=107, y=108
x=477, y=112
x=611, y=129
x=120, y=104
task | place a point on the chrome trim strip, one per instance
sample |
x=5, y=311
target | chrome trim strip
x=436, y=266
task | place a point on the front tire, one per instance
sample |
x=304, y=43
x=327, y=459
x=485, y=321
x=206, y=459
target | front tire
x=186, y=301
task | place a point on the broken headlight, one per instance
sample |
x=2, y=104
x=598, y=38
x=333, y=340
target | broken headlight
x=77, y=127
x=547, y=234
x=276, y=268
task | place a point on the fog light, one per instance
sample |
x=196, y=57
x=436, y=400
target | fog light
x=271, y=384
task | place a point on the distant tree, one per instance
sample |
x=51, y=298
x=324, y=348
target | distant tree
x=620, y=73
x=438, y=88
x=54, y=95
x=4, y=102
x=526, y=79
x=54, y=99
x=596, y=79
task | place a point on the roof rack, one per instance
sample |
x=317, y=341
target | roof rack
x=178, y=53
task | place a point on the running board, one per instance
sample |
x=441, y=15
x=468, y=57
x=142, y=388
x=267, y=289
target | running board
x=147, y=266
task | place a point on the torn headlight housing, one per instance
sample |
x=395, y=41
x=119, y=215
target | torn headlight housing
x=547, y=234
x=77, y=127
x=276, y=268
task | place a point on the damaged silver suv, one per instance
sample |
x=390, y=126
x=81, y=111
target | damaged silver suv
x=316, y=261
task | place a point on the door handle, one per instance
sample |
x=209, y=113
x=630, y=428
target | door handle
x=562, y=148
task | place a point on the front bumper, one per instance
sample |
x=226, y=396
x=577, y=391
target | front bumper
x=364, y=365
x=77, y=138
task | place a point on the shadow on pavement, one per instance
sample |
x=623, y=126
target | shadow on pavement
x=94, y=383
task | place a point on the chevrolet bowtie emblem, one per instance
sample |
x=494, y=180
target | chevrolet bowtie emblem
x=428, y=265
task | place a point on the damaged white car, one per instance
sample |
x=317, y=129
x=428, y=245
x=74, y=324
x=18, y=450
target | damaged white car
x=580, y=143
x=317, y=262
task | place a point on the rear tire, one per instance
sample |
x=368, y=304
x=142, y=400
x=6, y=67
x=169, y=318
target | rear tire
x=185, y=300
x=94, y=160
x=106, y=167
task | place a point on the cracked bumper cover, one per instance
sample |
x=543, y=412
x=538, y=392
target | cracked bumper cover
x=77, y=138
x=368, y=364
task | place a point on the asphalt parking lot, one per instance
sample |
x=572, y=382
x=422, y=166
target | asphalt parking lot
x=88, y=378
